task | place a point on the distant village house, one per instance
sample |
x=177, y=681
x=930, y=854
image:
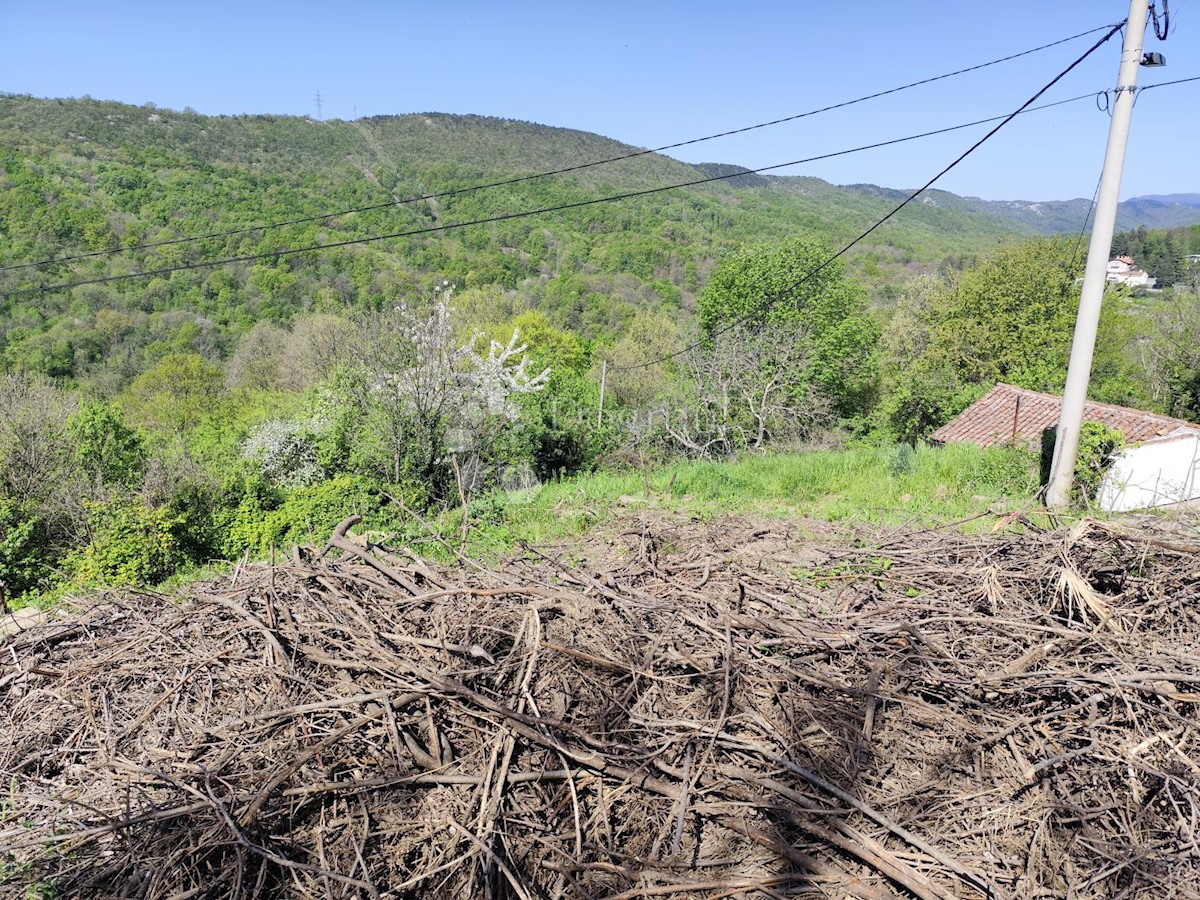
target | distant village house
x=1122, y=270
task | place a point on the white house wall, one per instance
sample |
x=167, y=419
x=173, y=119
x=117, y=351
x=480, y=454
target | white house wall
x=1154, y=474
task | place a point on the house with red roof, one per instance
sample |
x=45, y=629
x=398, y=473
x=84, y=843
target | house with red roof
x=1008, y=415
x=1161, y=465
x=1123, y=270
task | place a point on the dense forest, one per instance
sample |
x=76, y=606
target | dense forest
x=153, y=425
x=83, y=176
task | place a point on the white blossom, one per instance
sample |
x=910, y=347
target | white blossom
x=476, y=385
x=285, y=452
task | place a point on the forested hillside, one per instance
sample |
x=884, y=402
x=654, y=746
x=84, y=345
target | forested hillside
x=81, y=176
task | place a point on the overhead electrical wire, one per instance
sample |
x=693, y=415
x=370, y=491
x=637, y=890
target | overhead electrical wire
x=759, y=311
x=1150, y=87
x=504, y=217
x=563, y=171
x=1163, y=28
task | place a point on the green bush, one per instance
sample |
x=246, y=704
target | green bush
x=193, y=509
x=132, y=544
x=304, y=516
x=560, y=427
x=22, y=549
x=240, y=515
x=1098, y=446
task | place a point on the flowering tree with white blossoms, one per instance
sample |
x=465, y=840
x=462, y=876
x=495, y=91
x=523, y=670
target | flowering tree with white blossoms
x=417, y=394
x=285, y=452
x=423, y=385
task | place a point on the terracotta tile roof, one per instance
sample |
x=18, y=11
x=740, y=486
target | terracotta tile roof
x=1008, y=414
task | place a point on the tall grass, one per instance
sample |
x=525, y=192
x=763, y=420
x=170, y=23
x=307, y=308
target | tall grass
x=891, y=485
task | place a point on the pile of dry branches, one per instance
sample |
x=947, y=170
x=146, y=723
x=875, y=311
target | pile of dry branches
x=733, y=709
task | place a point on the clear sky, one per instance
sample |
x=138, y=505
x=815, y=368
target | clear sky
x=652, y=73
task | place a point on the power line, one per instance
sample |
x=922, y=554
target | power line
x=503, y=217
x=1087, y=217
x=548, y=174
x=770, y=303
x=1151, y=87
x=1163, y=28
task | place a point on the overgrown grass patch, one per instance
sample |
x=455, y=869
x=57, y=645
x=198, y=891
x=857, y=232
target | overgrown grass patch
x=889, y=485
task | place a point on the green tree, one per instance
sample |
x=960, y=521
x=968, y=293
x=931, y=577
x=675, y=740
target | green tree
x=177, y=393
x=793, y=284
x=558, y=432
x=1172, y=355
x=651, y=335
x=1007, y=318
x=110, y=453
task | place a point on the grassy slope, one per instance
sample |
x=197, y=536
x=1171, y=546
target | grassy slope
x=877, y=485
x=958, y=486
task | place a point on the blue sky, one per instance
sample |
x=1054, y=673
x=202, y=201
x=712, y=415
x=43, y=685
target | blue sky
x=651, y=74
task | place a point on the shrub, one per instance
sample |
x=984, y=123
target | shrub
x=901, y=462
x=240, y=514
x=1098, y=447
x=286, y=453
x=132, y=544
x=304, y=516
x=22, y=549
x=193, y=509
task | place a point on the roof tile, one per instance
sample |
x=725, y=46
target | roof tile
x=1011, y=415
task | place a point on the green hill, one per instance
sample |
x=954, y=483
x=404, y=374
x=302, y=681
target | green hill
x=80, y=176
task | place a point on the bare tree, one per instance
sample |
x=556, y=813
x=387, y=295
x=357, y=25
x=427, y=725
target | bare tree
x=257, y=360
x=34, y=450
x=744, y=389
x=38, y=469
x=315, y=346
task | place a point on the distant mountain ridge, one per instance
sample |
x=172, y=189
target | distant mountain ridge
x=1059, y=216
x=1184, y=199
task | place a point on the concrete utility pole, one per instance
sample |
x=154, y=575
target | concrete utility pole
x=1079, y=370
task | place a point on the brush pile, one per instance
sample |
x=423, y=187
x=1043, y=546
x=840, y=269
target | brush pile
x=738, y=709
